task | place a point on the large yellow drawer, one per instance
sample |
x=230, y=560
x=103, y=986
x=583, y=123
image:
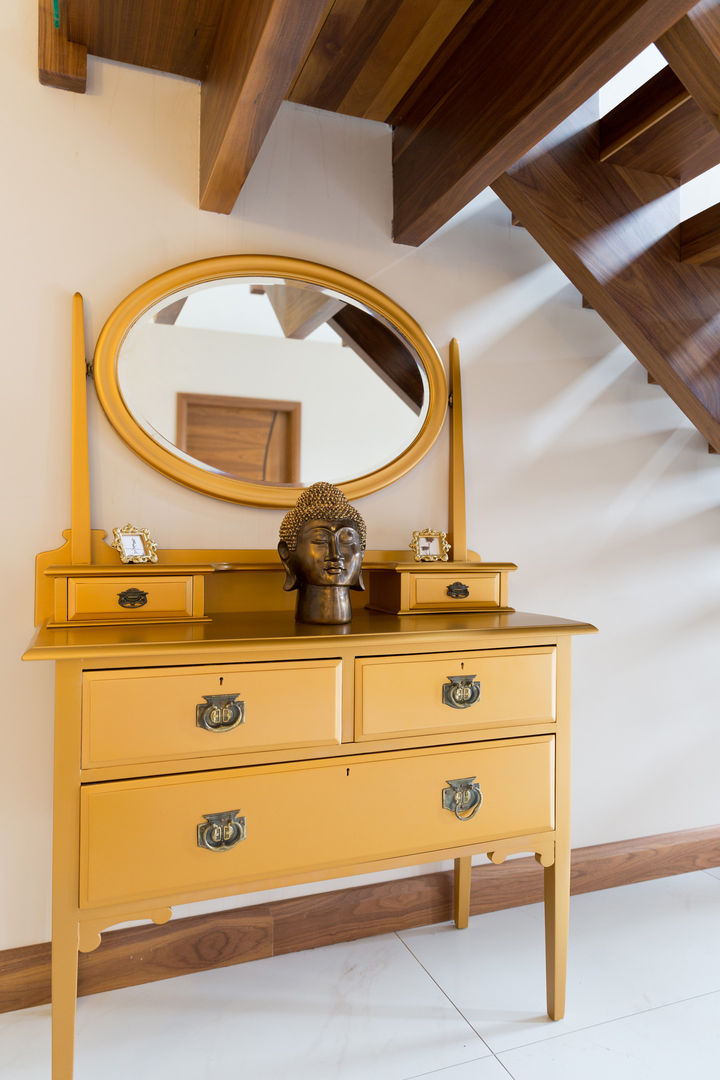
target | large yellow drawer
x=139, y=838
x=129, y=599
x=401, y=695
x=155, y=714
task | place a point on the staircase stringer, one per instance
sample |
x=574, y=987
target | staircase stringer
x=613, y=232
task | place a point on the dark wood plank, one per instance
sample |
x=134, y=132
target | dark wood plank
x=471, y=121
x=613, y=233
x=166, y=35
x=146, y=953
x=348, y=914
x=349, y=35
x=197, y=943
x=383, y=351
x=692, y=48
x=258, y=50
x=700, y=237
x=660, y=129
x=605, y=866
x=369, y=53
x=24, y=977
x=61, y=62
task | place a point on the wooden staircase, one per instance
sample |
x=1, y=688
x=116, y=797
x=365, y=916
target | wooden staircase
x=602, y=199
x=478, y=93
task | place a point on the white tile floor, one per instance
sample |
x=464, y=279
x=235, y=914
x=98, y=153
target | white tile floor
x=643, y=1002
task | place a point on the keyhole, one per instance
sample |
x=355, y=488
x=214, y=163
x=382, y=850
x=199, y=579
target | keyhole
x=462, y=666
x=221, y=680
x=347, y=773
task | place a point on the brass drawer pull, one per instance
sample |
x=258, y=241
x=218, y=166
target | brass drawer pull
x=132, y=598
x=221, y=831
x=458, y=590
x=221, y=713
x=461, y=691
x=463, y=797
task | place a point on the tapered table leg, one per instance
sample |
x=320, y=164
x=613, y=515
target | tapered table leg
x=557, y=912
x=64, y=995
x=461, y=891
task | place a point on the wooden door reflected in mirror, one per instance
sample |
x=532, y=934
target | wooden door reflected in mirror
x=256, y=438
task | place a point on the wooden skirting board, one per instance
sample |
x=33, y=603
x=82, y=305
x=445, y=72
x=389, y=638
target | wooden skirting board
x=147, y=953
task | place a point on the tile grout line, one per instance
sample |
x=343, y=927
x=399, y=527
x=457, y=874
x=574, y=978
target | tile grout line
x=604, y=1023
x=445, y=994
x=475, y=1032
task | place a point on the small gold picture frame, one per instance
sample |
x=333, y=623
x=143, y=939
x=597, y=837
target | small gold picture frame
x=135, y=545
x=430, y=546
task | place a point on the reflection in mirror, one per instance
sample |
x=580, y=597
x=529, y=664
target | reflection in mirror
x=273, y=381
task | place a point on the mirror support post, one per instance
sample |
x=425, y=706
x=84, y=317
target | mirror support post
x=456, y=511
x=80, y=546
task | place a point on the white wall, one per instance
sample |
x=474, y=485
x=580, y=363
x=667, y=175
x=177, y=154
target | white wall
x=580, y=472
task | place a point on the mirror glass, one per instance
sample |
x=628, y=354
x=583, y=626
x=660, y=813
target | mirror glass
x=246, y=377
x=273, y=381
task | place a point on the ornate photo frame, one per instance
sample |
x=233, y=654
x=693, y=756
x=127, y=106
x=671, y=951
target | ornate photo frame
x=134, y=545
x=429, y=546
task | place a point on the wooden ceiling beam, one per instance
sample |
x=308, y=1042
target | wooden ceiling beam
x=516, y=72
x=165, y=35
x=612, y=231
x=258, y=50
x=692, y=48
x=61, y=63
x=370, y=52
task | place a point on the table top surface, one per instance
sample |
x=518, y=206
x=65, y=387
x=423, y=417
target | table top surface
x=280, y=628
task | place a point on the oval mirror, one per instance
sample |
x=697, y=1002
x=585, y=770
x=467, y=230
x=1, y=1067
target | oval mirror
x=247, y=377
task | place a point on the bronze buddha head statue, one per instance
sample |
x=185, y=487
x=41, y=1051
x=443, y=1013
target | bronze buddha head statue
x=322, y=542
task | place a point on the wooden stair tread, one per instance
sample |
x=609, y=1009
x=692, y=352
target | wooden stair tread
x=660, y=129
x=692, y=48
x=700, y=238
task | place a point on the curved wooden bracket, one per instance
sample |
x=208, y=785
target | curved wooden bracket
x=90, y=933
x=544, y=850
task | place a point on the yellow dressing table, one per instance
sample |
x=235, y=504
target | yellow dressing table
x=209, y=745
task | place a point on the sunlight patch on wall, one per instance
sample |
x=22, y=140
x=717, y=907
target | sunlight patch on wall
x=548, y=424
x=619, y=509
x=495, y=315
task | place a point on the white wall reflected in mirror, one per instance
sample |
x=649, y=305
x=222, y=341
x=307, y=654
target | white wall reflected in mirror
x=243, y=351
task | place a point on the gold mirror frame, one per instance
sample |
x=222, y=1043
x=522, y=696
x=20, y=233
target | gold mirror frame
x=230, y=488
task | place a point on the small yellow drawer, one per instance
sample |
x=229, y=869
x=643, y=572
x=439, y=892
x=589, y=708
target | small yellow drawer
x=408, y=588
x=139, y=838
x=398, y=695
x=129, y=599
x=454, y=591
x=173, y=713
